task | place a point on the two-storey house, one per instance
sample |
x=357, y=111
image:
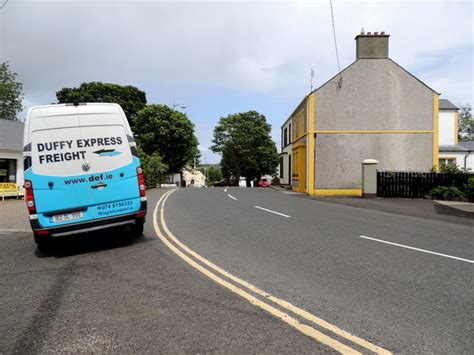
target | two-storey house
x=373, y=109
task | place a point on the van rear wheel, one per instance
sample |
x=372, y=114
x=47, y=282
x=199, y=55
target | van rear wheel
x=43, y=242
x=137, y=228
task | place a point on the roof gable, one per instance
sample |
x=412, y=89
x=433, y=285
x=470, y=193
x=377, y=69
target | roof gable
x=332, y=81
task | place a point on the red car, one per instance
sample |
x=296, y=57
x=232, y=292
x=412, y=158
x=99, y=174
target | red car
x=264, y=183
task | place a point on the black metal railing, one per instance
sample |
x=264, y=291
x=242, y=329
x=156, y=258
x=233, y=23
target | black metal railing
x=413, y=184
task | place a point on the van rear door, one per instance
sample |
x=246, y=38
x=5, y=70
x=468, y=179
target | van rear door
x=83, y=167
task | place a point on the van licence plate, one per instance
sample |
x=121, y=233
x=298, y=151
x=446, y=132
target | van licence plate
x=67, y=217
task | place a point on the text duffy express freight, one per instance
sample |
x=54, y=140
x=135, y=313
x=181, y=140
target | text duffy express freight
x=80, y=143
x=59, y=157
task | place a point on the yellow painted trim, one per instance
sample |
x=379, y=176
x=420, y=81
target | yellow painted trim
x=302, y=169
x=456, y=127
x=298, y=144
x=337, y=192
x=310, y=143
x=435, y=130
x=371, y=132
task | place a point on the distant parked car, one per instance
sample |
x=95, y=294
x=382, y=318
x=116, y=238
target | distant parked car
x=264, y=183
x=224, y=182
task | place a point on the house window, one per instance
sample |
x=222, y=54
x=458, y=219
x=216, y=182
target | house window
x=447, y=161
x=294, y=133
x=285, y=137
x=281, y=167
x=7, y=170
x=301, y=123
x=289, y=133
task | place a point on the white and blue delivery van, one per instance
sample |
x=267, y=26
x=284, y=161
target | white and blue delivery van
x=82, y=170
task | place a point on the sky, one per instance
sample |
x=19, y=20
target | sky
x=219, y=57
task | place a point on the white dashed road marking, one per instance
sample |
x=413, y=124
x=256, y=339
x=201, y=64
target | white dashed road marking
x=417, y=249
x=271, y=211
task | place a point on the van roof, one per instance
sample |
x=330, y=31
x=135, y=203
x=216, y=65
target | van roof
x=69, y=109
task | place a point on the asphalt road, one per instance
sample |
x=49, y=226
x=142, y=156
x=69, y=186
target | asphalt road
x=107, y=292
x=404, y=300
x=110, y=293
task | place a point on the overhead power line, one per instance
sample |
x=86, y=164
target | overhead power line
x=339, y=84
x=334, y=35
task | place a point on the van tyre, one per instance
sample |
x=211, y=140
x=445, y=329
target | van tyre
x=137, y=228
x=43, y=242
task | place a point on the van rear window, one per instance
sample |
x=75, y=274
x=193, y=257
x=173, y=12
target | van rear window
x=79, y=150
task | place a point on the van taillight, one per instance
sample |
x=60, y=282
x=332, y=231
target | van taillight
x=141, y=181
x=30, y=197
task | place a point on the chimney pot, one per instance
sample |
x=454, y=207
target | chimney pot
x=376, y=33
x=382, y=33
x=369, y=33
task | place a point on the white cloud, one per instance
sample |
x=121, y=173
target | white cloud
x=255, y=48
x=264, y=48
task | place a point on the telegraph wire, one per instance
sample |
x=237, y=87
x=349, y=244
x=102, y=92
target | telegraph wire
x=339, y=84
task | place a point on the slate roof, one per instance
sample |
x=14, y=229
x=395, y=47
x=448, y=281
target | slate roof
x=447, y=105
x=461, y=147
x=467, y=145
x=11, y=135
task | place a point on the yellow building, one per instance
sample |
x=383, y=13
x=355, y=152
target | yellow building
x=373, y=109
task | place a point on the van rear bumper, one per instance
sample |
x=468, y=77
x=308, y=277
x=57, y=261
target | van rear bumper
x=82, y=227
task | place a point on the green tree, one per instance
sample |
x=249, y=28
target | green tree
x=169, y=133
x=11, y=96
x=130, y=98
x=247, y=149
x=213, y=173
x=153, y=167
x=466, y=123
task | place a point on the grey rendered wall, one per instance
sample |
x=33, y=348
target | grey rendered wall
x=338, y=157
x=376, y=94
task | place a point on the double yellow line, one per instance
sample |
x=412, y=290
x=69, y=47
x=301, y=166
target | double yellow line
x=242, y=288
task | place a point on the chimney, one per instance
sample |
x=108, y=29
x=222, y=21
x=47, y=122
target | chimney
x=372, y=46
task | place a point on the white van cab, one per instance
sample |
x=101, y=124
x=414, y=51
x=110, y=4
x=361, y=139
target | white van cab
x=82, y=170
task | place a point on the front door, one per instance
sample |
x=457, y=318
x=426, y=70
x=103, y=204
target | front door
x=299, y=169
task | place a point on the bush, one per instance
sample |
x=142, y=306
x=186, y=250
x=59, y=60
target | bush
x=450, y=169
x=446, y=193
x=469, y=189
x=153, y=168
